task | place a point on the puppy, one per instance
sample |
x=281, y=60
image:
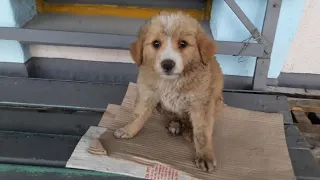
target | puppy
x=179, y=74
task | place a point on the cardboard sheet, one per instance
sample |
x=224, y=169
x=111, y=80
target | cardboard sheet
x=83, y=158
x=248, y=145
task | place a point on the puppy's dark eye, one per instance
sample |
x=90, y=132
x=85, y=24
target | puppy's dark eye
x=156, y=44
x=183, y=44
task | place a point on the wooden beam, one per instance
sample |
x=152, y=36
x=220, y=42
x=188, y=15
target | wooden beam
x=301, y=117
x=304, y=105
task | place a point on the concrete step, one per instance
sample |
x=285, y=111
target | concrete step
x=102, y=32
x=36, y=149
x=27, y=172
x=60, y=100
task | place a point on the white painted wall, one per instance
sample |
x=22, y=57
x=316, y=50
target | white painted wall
x=304, y=53
x=81, y=53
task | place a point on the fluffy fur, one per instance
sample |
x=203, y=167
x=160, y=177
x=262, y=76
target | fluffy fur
x=190, y=93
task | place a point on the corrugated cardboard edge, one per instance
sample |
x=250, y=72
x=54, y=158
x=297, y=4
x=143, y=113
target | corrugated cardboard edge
x=82, y=159
x=96, y=146
x=111, y=111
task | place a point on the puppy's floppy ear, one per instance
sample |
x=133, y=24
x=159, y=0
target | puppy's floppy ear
x=136, y=51
x=136, y=48
x=206, y=46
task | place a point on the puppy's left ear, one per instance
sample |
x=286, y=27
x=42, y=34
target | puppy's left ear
x=206, y=46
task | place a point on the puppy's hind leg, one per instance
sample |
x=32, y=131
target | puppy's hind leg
x=174, y=125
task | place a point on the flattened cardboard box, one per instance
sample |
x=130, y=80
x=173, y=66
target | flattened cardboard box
x=248, y=145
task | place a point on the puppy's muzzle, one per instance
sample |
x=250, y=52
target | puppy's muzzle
x=167, y=65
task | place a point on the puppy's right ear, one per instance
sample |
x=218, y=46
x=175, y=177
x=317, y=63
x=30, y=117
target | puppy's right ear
x=136, y=52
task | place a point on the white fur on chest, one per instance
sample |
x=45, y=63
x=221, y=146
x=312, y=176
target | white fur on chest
x=172, y=98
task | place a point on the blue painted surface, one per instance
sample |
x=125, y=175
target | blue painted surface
x=14, y=13
x=6, y=14
x=226, y=26
x=23, y=11
x=13, y=51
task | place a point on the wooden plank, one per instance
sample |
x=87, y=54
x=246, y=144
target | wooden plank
x=304, y=105
x=309, y=128
x=301, y=117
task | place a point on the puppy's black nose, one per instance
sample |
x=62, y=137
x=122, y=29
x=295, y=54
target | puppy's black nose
x=168, y=64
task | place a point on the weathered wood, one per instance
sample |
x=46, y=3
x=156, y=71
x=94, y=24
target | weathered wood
x=301, y=117
x=309, y=128
x=304, y=105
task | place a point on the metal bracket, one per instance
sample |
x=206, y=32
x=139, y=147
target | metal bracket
x=266, y=38
x=249, y=25
x=260, y=76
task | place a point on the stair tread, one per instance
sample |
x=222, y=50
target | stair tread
x=36, y=149
x=46, y=121
x=91, y=24
x=102, y=32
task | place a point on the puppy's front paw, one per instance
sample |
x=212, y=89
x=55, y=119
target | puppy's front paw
x=206, y=162
x=122, y=133
x=175, y=128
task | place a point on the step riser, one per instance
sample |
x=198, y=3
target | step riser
x=182, y=4
x=95, y=71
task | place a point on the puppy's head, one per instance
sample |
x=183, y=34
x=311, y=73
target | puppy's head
x=171, y=43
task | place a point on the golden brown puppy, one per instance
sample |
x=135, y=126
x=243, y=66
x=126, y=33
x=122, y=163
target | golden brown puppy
x=178, y=72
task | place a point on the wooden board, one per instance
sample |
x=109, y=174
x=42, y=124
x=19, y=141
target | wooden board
x=304, y=105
